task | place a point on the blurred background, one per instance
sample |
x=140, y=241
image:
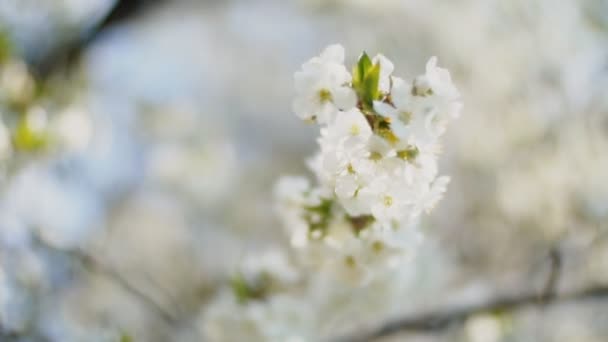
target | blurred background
x=140, y=141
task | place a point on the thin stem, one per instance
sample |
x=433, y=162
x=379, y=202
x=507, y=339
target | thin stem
x=554, y=273
x=91, y=263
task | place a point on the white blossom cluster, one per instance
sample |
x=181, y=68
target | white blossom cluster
x=377, y=164
x=377, y=173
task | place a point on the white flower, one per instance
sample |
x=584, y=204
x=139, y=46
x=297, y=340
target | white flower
x=348, y=189
x=386, y=69
x=272, y=263
x=291, y=190
x=343, y=144
x=438, y=80
x=294, y=195
x=322, y=87
x=345, y=259
x=349, y=126
x=61, y=213
x=390, y=244
x=410, y=120
x=419, y=113
x=436, y=86
x=434, y=193
x=386, y=199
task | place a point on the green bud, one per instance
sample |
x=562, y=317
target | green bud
x=366, y=77
x=360, y=69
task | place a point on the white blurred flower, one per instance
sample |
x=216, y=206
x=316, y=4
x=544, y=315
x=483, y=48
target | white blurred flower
x=74, y=128
x=13, y=304
x=386, y=69
x=16, y=83
x=350, y=129
x=420, y=112
x=437, y=81
x=483, y=328
x=388, y=201
x=292, y=190
x=322, y=87
x=272, y=263
x=6, y=147
x=62, y=214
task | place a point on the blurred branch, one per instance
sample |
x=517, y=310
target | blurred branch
x=68, y=54
x=8, y=336
x=442, y=319
x=91, y=263
x=554, y=273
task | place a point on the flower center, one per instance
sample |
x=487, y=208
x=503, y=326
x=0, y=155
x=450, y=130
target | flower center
x=350, y=169
x=325, y=95
x=388, y=201
x=375, y=156
x=409, y=154
x=378, y=246
x=350, y=261
x=405, y=117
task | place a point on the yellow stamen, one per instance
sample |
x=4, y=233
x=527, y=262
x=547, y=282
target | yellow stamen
x=325, y=96
x=388, y=201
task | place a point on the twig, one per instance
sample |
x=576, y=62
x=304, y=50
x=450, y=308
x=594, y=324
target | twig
x=442, y=319
x=67, y=54
x=7, y=335
x=554, y=273
x=92, y=263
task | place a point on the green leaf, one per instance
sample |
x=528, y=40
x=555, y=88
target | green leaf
x=126, y=338
x=359, y=70
x=366, y=77
x=370, y=90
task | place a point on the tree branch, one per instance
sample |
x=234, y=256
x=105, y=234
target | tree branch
x=442, y=319
x=91, y=263
x=554, y=273
x=69, y=53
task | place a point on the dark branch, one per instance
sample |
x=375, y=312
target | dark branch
x=69, y=53
x=442, y=319
x=554, y=273
x=91, y=263
x=8, y=336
